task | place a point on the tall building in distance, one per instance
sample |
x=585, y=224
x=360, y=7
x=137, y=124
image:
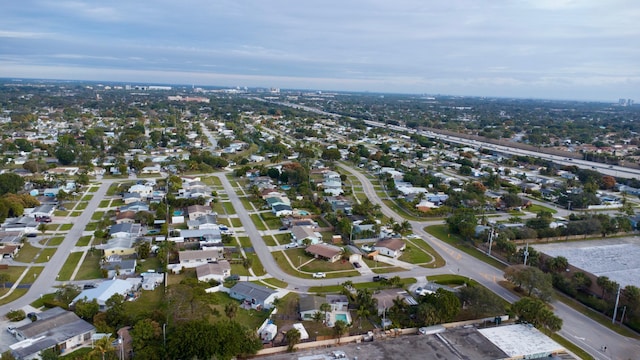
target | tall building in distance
x=625, y=102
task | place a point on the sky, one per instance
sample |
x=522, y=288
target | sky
x=550, y=49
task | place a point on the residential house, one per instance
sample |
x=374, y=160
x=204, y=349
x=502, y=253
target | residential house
x=24, y=224
x=129, y=198
x=116, y=266
x=303, y=234
x=55, y=328
x=150, y=280
x=195, y=258
x=282, y=210
x=391, y=247
x=126, y=217
x=384, y=298
x=8, y=250
x=42, y=211
x=143, y=190
x=155, y=169
x=217, y=271
x=309, y=305
x=107, y=289
x=208, y=235
x=331, y=253
x=338, y=302
x=253, y=295
x=136, y=207
x=425, y=205
x=209, y=221
x=121, y=246
x=125, y=230
x=196, y=211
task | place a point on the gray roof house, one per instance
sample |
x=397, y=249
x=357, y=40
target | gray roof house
x=54, y=327
x=254, y=295
x=119, y=267
x=309, y=305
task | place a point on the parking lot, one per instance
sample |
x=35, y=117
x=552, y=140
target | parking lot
x=454, y=344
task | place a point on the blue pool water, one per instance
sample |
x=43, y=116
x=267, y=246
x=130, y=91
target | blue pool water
x=177, y=213
x=285, y=187
x=342, y=317
x=303, y=213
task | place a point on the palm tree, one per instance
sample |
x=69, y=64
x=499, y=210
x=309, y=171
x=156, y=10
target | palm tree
x=324, y=307
x=362, y=312
x=293, y=338
x=340, y=328
x=246, y=263
x=231, y=309
x=102, y=346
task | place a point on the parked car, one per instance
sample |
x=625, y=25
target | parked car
x=32, y=235
x=233, y=277
x=11, y=330
x=379, y=278
x=422, y=331
x=291, y=245
x=319, y=275
x=89, y=286
x=357, y=265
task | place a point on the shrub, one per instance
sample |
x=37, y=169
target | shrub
x=16, y=315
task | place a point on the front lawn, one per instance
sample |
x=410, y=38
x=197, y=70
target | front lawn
x=45, y=255
x=27, y=253
x=228, y=208
x=415, y=255
x=84, y=241
x=97, y=216
x=69, y=266
x=257, y=220
x=90, y=268
x=65, y=227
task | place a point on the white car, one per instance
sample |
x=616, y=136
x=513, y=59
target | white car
x=319, y=275
x=291, y=245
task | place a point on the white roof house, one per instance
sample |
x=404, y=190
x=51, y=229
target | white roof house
x=106, y=290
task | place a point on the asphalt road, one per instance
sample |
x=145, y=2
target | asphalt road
x=45, y=283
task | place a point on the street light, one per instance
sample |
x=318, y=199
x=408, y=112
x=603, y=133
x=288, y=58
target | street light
x=121, y=343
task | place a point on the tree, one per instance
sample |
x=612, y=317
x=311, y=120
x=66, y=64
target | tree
x=581, y=281
x=324, y=307
x=49, y=354
x=531, y=279
x=231, y=309
x=102, y=347
x=331, y=154
x=7, y=355
x=463, y=221
x=317, y=317
x=558, y=264
x=362, y=312
x=293, y=338
x=445, y=303
x=247, y=263
x=536, y=312
x=86, y=309
x=340, y=328
x=66, y=155
x=10, y=183
x=609, y=287
x=481, y=302
x=4, y=278
x=146, y=339
x=143, y=250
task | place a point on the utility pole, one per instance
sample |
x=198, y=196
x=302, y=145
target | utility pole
x=615, y=309
x=490, y=241
x=526, y=254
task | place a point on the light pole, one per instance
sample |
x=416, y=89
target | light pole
x=121, y=343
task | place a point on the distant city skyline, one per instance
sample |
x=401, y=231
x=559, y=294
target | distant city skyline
x=545, y=49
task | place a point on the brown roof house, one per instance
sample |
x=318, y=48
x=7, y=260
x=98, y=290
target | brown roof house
x=391, y=247
x=328, y=252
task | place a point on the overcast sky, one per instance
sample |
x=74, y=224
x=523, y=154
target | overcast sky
x=559, y=49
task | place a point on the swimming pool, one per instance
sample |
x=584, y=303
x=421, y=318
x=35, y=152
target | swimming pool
x=342, y=317
x=303, y=213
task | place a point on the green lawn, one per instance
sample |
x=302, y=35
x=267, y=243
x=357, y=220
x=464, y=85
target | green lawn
x=14, y=273
x=256, y=265
x=104, y=203
x=60, y=213
x=235, y=222
x=217, y=207
x=228, y=208
x=535, y=208
x=76, y=213
x=55, y=241
x=269, y=240
x=151, y=263
x=90, y=268
x=66, y=227
x=94, y=188
x=81, y=206
x=439, y=261
x=113, y=189
x=45, y=255
x=87, y=198
x=98, y=215
x=283, y=238
x=441, y=232
x=31, y=275
x=247, y=204
x=276, y=282
x=84, y=241
x=27, y=253
x=69, y=266
x=245, y=241
x=365, y=285
x=257, y=220
x=273, y=222
x=92, y=226
x=415, y=255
